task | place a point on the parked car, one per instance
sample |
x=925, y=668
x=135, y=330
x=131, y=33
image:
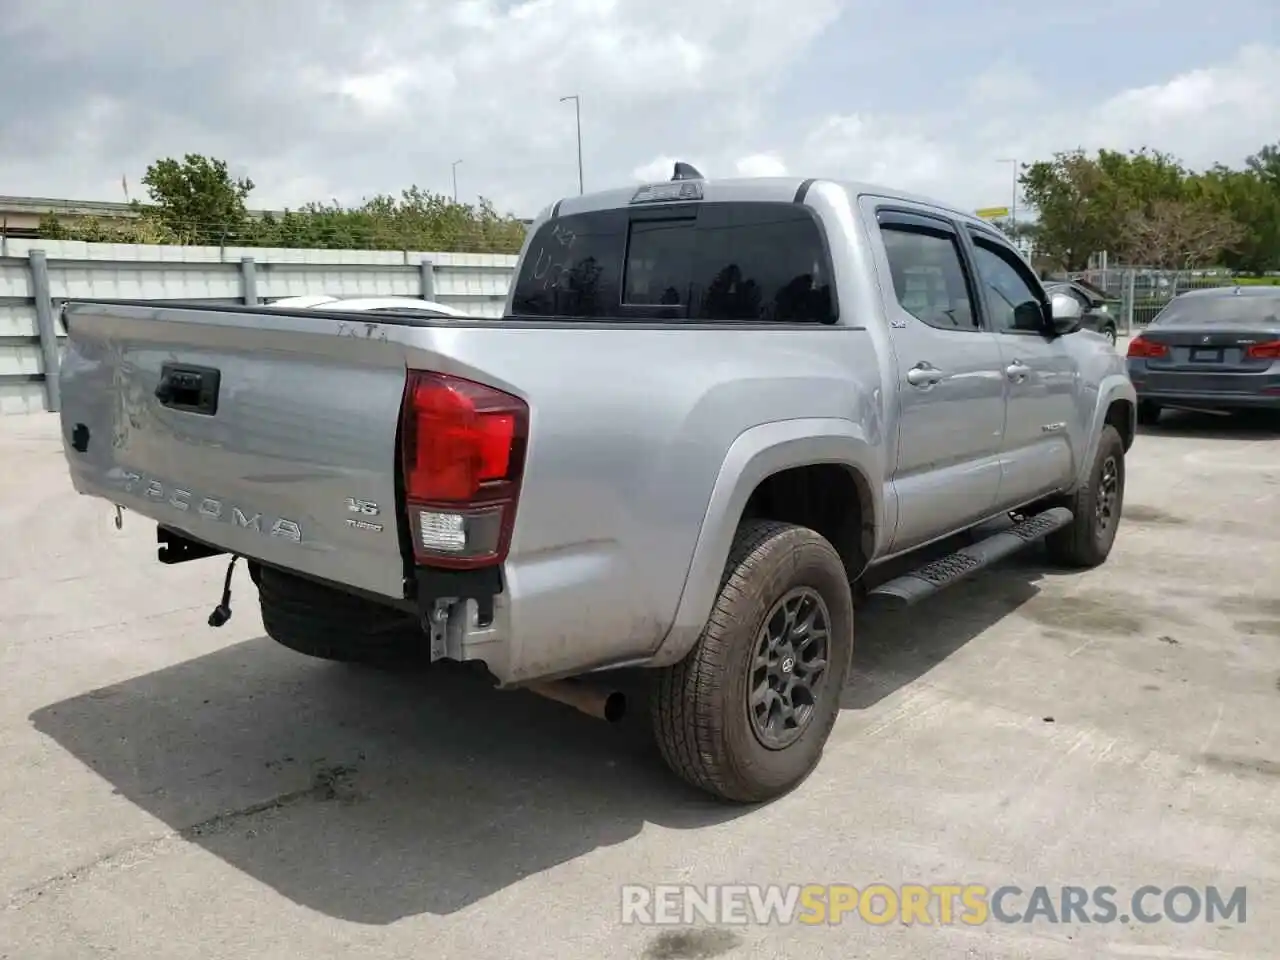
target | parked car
x=712, y=414
x=1213, y=349
x=1097, y=315
x=415, y=305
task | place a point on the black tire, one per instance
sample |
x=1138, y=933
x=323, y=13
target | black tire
x=700, y=706
x=1110, y=333
x=1148, y=413
x=322, y=622
x=1097, y=505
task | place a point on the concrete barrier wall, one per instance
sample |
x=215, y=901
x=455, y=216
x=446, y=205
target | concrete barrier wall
x=36, y=276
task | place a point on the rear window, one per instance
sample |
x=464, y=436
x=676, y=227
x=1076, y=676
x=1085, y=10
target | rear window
x=728, y=262
x=1226, y=309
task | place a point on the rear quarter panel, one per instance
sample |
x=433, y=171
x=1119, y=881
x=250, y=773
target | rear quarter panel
x=629, y=436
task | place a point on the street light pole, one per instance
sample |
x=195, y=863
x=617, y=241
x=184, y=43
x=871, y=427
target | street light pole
x=1013, y=208
x=577, y=114
x=455, y=180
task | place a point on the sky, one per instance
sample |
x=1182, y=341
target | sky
x=342, y=100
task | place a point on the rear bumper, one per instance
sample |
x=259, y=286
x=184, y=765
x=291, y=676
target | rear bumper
x=510, y=618
x=1218, y=400
x=1258, y=389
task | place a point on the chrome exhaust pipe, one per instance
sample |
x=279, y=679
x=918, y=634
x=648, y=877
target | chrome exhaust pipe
x=602, y=703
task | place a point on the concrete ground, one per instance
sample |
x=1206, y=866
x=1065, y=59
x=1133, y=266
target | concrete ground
x=175, y=791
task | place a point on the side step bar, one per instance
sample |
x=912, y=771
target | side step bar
x=911, y=588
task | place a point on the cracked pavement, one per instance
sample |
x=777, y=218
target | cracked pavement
x=171, y=790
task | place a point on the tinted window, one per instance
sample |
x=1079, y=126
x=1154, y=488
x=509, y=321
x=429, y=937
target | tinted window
x=573, y=267
x=657, y=270
x=928, y=278
x=1224, y=309
x=765, y=262
x=1012, y=299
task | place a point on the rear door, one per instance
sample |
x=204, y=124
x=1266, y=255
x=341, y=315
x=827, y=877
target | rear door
x=951, y=393
x=1043, y=427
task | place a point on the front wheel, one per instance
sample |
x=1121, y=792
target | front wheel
x=1110, y=334
x=746, y=715
x=1097, y=505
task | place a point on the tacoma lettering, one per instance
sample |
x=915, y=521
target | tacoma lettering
x=211, y=508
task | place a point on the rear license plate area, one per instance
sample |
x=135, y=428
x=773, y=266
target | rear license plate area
x=1206, y=354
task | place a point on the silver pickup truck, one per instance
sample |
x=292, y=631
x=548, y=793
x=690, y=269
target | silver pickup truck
x=711, y=414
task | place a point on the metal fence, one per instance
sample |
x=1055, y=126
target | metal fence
x=37, y=276
x=1137, y=294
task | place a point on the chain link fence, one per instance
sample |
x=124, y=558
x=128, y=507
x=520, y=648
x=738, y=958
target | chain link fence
x=1135, y=295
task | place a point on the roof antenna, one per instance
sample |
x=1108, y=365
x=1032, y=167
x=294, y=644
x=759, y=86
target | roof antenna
x=686, y=171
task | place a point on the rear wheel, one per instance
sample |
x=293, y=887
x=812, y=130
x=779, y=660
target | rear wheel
x=322, y=622
x=1097, y=505
x=1148, y=413
x=746, y=714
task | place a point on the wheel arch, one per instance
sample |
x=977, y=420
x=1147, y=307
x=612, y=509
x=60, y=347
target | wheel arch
x=765, y=475
x=1117, y=405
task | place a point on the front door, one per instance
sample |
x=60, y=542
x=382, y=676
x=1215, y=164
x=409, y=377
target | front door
x=1038, y=455
x=950, y=386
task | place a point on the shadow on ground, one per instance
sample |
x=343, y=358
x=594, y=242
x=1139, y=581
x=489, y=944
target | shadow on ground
x=1246, y=425
x=894, y=649
x=365, y=796
x=371, y=797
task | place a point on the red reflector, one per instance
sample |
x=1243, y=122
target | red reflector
x=459, y=436
x=1264, y=351
x=1142, y=349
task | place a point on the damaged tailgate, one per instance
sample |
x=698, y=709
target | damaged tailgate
x=271, y=434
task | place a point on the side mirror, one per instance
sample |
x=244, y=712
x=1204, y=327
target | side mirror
x=1067, y=314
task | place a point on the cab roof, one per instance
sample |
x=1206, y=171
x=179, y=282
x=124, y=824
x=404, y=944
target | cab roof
x=747, y=189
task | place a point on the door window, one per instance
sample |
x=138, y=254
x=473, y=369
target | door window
x=928, y=276
x=1012, y=297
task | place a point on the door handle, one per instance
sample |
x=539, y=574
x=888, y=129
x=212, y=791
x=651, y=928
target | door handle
x=924, y=374
x=1017, y=371
x=191, y=389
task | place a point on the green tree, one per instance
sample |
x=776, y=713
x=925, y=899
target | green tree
x=197, y=199
x=1143, y=178
x=1252, y=198
x=1076, y=201
x=1145, y=207
x=416, y=220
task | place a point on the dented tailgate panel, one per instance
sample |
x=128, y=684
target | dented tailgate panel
x=270, y=437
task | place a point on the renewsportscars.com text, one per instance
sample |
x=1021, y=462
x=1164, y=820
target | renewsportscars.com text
x=929, y=904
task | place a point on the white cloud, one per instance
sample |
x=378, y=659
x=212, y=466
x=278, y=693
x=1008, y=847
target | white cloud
x=354, y=97
x=1223, y=112
x=761, y=165
x=370, y=97
x=1215, y=114
x=876, y=150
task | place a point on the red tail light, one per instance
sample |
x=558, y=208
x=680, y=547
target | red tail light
x=1264, y=351
x=1143, y=349
x=462, y=447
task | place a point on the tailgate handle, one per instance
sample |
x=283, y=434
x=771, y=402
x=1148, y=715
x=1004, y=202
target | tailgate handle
x=190, y=389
